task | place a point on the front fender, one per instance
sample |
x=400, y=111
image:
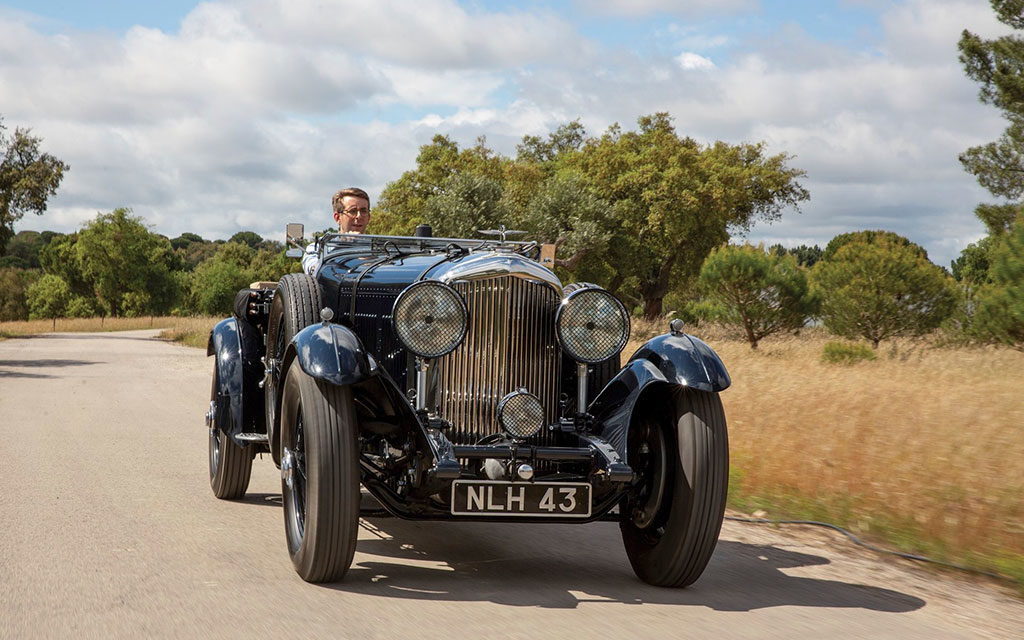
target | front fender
x=329, y=352
x=237, y=347
x=669, y=359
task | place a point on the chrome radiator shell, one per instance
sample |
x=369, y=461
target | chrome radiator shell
x=510, y=344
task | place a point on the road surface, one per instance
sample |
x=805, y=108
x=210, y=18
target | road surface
x=109, y=529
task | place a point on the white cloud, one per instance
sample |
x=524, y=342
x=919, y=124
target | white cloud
x=255, y=111
x=692, y=61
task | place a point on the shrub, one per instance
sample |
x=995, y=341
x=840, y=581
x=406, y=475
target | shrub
x=836, y=352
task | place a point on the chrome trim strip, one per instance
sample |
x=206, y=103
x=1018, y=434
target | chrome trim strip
x=495, y=264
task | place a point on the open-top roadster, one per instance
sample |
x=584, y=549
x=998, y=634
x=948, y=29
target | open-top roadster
x=459, y=379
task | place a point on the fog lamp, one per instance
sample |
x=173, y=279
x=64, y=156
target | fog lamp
x=520, y=414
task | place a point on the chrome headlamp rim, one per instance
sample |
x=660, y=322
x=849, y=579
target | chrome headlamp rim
x=456, y=297
x=591, y=290
x=503, y=404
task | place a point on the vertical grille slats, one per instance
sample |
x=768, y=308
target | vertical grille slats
x=510, y=344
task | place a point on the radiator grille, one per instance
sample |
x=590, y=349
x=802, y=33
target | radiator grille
x=510, y=344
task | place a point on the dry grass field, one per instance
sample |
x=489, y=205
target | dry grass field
x=922, y=449
x=191, y=331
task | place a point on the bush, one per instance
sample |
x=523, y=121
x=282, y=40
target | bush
x=847, y=353
x=14, y=284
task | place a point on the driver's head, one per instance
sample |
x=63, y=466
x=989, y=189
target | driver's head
x=351, y=210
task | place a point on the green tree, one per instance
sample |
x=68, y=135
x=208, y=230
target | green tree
x=881, y=288
x=675, y=200
x=214, y=282
x=464, y=204
x=14, y=284
x=249, y=238
x=998, y=66
x=185, y=239
x=271, y=265
x=762, y=293
x=565, y=211
x=27, y=179
x=805, y=256
x=403, y=203
x=971, y=272
x=1000, y=305
x=25, y=247
x=565, y=139
x=48, y=297
x=972, y=265
x=869, y=236
x=61, y=258
x=129, y=267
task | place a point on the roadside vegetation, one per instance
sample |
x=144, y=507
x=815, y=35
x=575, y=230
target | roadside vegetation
x=192, y=331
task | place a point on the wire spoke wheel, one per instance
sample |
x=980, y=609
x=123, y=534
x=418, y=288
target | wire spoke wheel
x=294, y=487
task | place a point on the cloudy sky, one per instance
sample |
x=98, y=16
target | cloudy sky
x=219, y=116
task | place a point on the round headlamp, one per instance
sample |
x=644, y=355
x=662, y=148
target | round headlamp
x=430, y=319
x=520, y=414
x=592, y=325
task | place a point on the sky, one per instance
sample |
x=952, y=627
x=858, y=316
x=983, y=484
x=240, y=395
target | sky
x=229, y=115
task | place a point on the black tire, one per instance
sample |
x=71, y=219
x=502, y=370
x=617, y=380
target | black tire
x=320, y=476
x=296, y=305
x=230, y=464
x=673, y=514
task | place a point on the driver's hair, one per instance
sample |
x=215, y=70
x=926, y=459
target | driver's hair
x=355, y=192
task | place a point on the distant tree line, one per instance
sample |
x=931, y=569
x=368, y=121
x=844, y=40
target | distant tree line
x=116, y=266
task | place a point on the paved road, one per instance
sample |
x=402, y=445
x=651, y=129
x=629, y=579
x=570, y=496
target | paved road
x=109, y=529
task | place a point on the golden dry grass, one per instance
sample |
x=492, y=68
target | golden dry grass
x=923, y=448
x=191, y=331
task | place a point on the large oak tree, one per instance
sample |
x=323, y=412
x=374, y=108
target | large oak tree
x=675, y=200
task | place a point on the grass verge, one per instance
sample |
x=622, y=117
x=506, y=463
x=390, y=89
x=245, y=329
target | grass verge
x=921, y=449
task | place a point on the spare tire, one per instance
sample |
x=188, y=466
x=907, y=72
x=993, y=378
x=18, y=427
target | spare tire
x=296, y=305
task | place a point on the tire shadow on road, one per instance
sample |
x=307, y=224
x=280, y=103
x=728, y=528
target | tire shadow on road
x=561, y=566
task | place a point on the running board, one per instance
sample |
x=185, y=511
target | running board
x=252, y=437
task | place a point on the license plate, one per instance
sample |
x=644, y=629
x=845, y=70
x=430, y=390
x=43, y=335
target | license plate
x=499, y=498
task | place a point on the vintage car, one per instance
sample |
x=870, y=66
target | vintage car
x=460, y=379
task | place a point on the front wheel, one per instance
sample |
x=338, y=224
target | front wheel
x=674, y=511
x=319, y=476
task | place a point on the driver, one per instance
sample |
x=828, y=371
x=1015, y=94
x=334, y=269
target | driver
x=351, y=212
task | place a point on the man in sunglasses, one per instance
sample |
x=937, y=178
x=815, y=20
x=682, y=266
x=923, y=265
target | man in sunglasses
x=351, y=212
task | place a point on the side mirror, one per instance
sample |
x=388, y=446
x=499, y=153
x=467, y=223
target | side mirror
x=547, y=255
x=293, y=236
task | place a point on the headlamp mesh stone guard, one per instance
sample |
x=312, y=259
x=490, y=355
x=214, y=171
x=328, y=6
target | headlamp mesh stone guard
x=430, y=319
x=592, y=325
x=521, y=414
